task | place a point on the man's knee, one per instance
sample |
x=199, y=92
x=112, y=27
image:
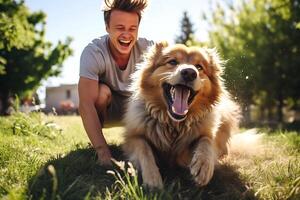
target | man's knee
x=104, y=97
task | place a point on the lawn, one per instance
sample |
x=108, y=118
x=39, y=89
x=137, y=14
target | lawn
x=49, y=157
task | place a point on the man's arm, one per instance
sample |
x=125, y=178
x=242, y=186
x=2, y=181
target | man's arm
x=88, y=94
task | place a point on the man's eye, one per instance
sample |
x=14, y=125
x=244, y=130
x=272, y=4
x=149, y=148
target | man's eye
x=199, y=67
x=173, y=62
x=120, y=28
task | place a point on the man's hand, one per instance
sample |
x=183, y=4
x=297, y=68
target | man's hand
x=88, y=95
x=104, y=155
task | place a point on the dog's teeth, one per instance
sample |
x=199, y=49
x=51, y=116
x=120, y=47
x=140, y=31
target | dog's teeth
x=173, y=92
x=173, y=109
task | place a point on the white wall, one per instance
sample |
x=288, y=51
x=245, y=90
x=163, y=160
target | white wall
x=55, y=95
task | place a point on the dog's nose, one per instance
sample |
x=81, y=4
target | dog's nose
x=188, y=74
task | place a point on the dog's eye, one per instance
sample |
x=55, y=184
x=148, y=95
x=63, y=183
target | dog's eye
x=199, y=67
x=173, y=62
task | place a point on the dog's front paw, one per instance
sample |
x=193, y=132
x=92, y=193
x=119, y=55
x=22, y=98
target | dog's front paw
x=152, y=178
x=202, y=168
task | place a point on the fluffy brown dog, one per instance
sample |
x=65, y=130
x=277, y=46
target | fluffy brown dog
x=179, y=111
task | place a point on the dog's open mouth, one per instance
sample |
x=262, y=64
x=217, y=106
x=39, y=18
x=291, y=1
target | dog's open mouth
x=178, y=98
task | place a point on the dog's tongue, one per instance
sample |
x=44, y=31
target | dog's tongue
x=180, y=101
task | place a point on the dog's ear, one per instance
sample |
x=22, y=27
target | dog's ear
x=214, y=60
x=161, y=44
x=155, y=53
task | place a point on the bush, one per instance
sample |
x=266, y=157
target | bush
x=32, y=124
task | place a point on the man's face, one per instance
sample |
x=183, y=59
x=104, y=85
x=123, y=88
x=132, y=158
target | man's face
x=123, y=31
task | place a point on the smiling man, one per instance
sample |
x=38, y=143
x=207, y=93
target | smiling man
x=105, y=68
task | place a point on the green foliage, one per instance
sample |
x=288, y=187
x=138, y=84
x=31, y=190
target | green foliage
x=15, y=24
x=261, y=41
x=25, y=57
x=34, y=123
x=126, y=186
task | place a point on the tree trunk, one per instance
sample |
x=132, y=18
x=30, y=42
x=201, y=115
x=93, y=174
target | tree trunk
x=4, y=95
x=270, y=114
x=280, y=107
x=262, y=116
x=246, y=115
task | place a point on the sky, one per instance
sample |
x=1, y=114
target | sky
x=83, y=21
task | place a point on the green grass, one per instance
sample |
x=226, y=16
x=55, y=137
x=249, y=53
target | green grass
x=49, y=157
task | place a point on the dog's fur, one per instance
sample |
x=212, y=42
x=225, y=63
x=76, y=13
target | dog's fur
x=161, y=122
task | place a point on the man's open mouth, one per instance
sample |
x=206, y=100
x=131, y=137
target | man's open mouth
x=125, y=43
x=178, y=98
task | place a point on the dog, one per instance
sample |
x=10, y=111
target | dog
x=180, y=111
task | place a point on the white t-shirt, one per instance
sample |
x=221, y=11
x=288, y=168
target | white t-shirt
x=97, y=63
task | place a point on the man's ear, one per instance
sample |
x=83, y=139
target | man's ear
x=106, y=27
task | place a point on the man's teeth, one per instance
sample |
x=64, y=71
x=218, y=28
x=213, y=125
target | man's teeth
x=125, y=41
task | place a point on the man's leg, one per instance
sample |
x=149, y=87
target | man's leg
x=103, y=101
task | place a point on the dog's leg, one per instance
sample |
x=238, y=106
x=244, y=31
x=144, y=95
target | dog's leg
x=203, y=161
x=141, y=155
x=228, y=126
x=222, y=139
x=230, y=113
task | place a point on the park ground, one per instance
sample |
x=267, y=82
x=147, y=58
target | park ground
x=49, y=157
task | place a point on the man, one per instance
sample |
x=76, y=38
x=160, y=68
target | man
x=105, y=67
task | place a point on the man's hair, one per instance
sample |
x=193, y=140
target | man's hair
x=136, y=6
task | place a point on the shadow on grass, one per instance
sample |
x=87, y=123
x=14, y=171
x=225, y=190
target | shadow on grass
x=75, y=176
x=78, y=176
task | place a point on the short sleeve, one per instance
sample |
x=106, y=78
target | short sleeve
x=145, y=44
x=90, y=63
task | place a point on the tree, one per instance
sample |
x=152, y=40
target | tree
x=261, y=39
x=25, y=57
x=187, y=32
